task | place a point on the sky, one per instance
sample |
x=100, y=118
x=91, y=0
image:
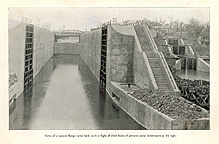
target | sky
x=87, y=18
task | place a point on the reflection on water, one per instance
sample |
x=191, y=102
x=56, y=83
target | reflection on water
x=69, y=40
x=193, y=74
x=65, y=95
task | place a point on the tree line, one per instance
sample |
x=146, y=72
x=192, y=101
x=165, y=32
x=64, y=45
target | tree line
x=194, y=27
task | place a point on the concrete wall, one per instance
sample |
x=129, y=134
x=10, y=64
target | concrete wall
x=120, y=56
x=189, y=50
x=90, y=50
x=151, y=118
x=202, y=65
x=126, y=62
x=42, y=48
x=42, y=51
x=143, y=75
x=66, y=48
x=139, y=111
x=120, y=49
x=142, y=69
x=16, y=57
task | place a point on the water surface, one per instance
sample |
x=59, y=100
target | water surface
x=193, y=74
x=65, y=95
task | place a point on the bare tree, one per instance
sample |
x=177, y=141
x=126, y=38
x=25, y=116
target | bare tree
x=126, y=22
x=194, y=27
x=171, y=22
x=162, y=22
x=176, y=25
x=181, y=27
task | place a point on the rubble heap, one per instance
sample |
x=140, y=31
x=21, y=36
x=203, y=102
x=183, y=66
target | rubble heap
x=174, y=106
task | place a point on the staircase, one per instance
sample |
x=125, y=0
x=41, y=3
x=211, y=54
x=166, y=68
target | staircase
x=158, y=72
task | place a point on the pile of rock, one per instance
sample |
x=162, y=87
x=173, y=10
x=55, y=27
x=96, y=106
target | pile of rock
x=174, y=106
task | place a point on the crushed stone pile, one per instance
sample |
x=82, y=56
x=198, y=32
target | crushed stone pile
x=174, y=106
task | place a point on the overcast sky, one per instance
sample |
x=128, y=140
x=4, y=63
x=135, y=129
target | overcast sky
x=87, y=18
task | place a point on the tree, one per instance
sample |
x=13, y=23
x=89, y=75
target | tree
x=171, y=22
x=148, y=23
x=194, y=28
x=176, y=25
x=181, y=27
x=162, y=22
x=126, y=22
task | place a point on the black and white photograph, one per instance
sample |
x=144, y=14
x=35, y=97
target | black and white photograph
x=133, y=68
x=105, y=72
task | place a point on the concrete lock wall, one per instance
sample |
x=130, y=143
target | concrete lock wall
x=67, y=48
x=135, y=59
x=151, y=118
x=120, y=49
x=16, y=57
x=90, y=50
x=202, y=65
x=125, y=60
x=141, y=73
x=145, y=115
x=43, y=43
x=120, y=56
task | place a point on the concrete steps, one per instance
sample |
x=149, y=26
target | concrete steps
x=159, y=76
x=156, y=68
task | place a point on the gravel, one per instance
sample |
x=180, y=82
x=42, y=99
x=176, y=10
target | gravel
x=174, y=106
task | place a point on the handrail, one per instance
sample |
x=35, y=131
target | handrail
x=173, y=83
x=151, y=39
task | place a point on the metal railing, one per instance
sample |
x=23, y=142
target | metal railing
x=26, y=20
x=173, y=83
x=151, y=38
